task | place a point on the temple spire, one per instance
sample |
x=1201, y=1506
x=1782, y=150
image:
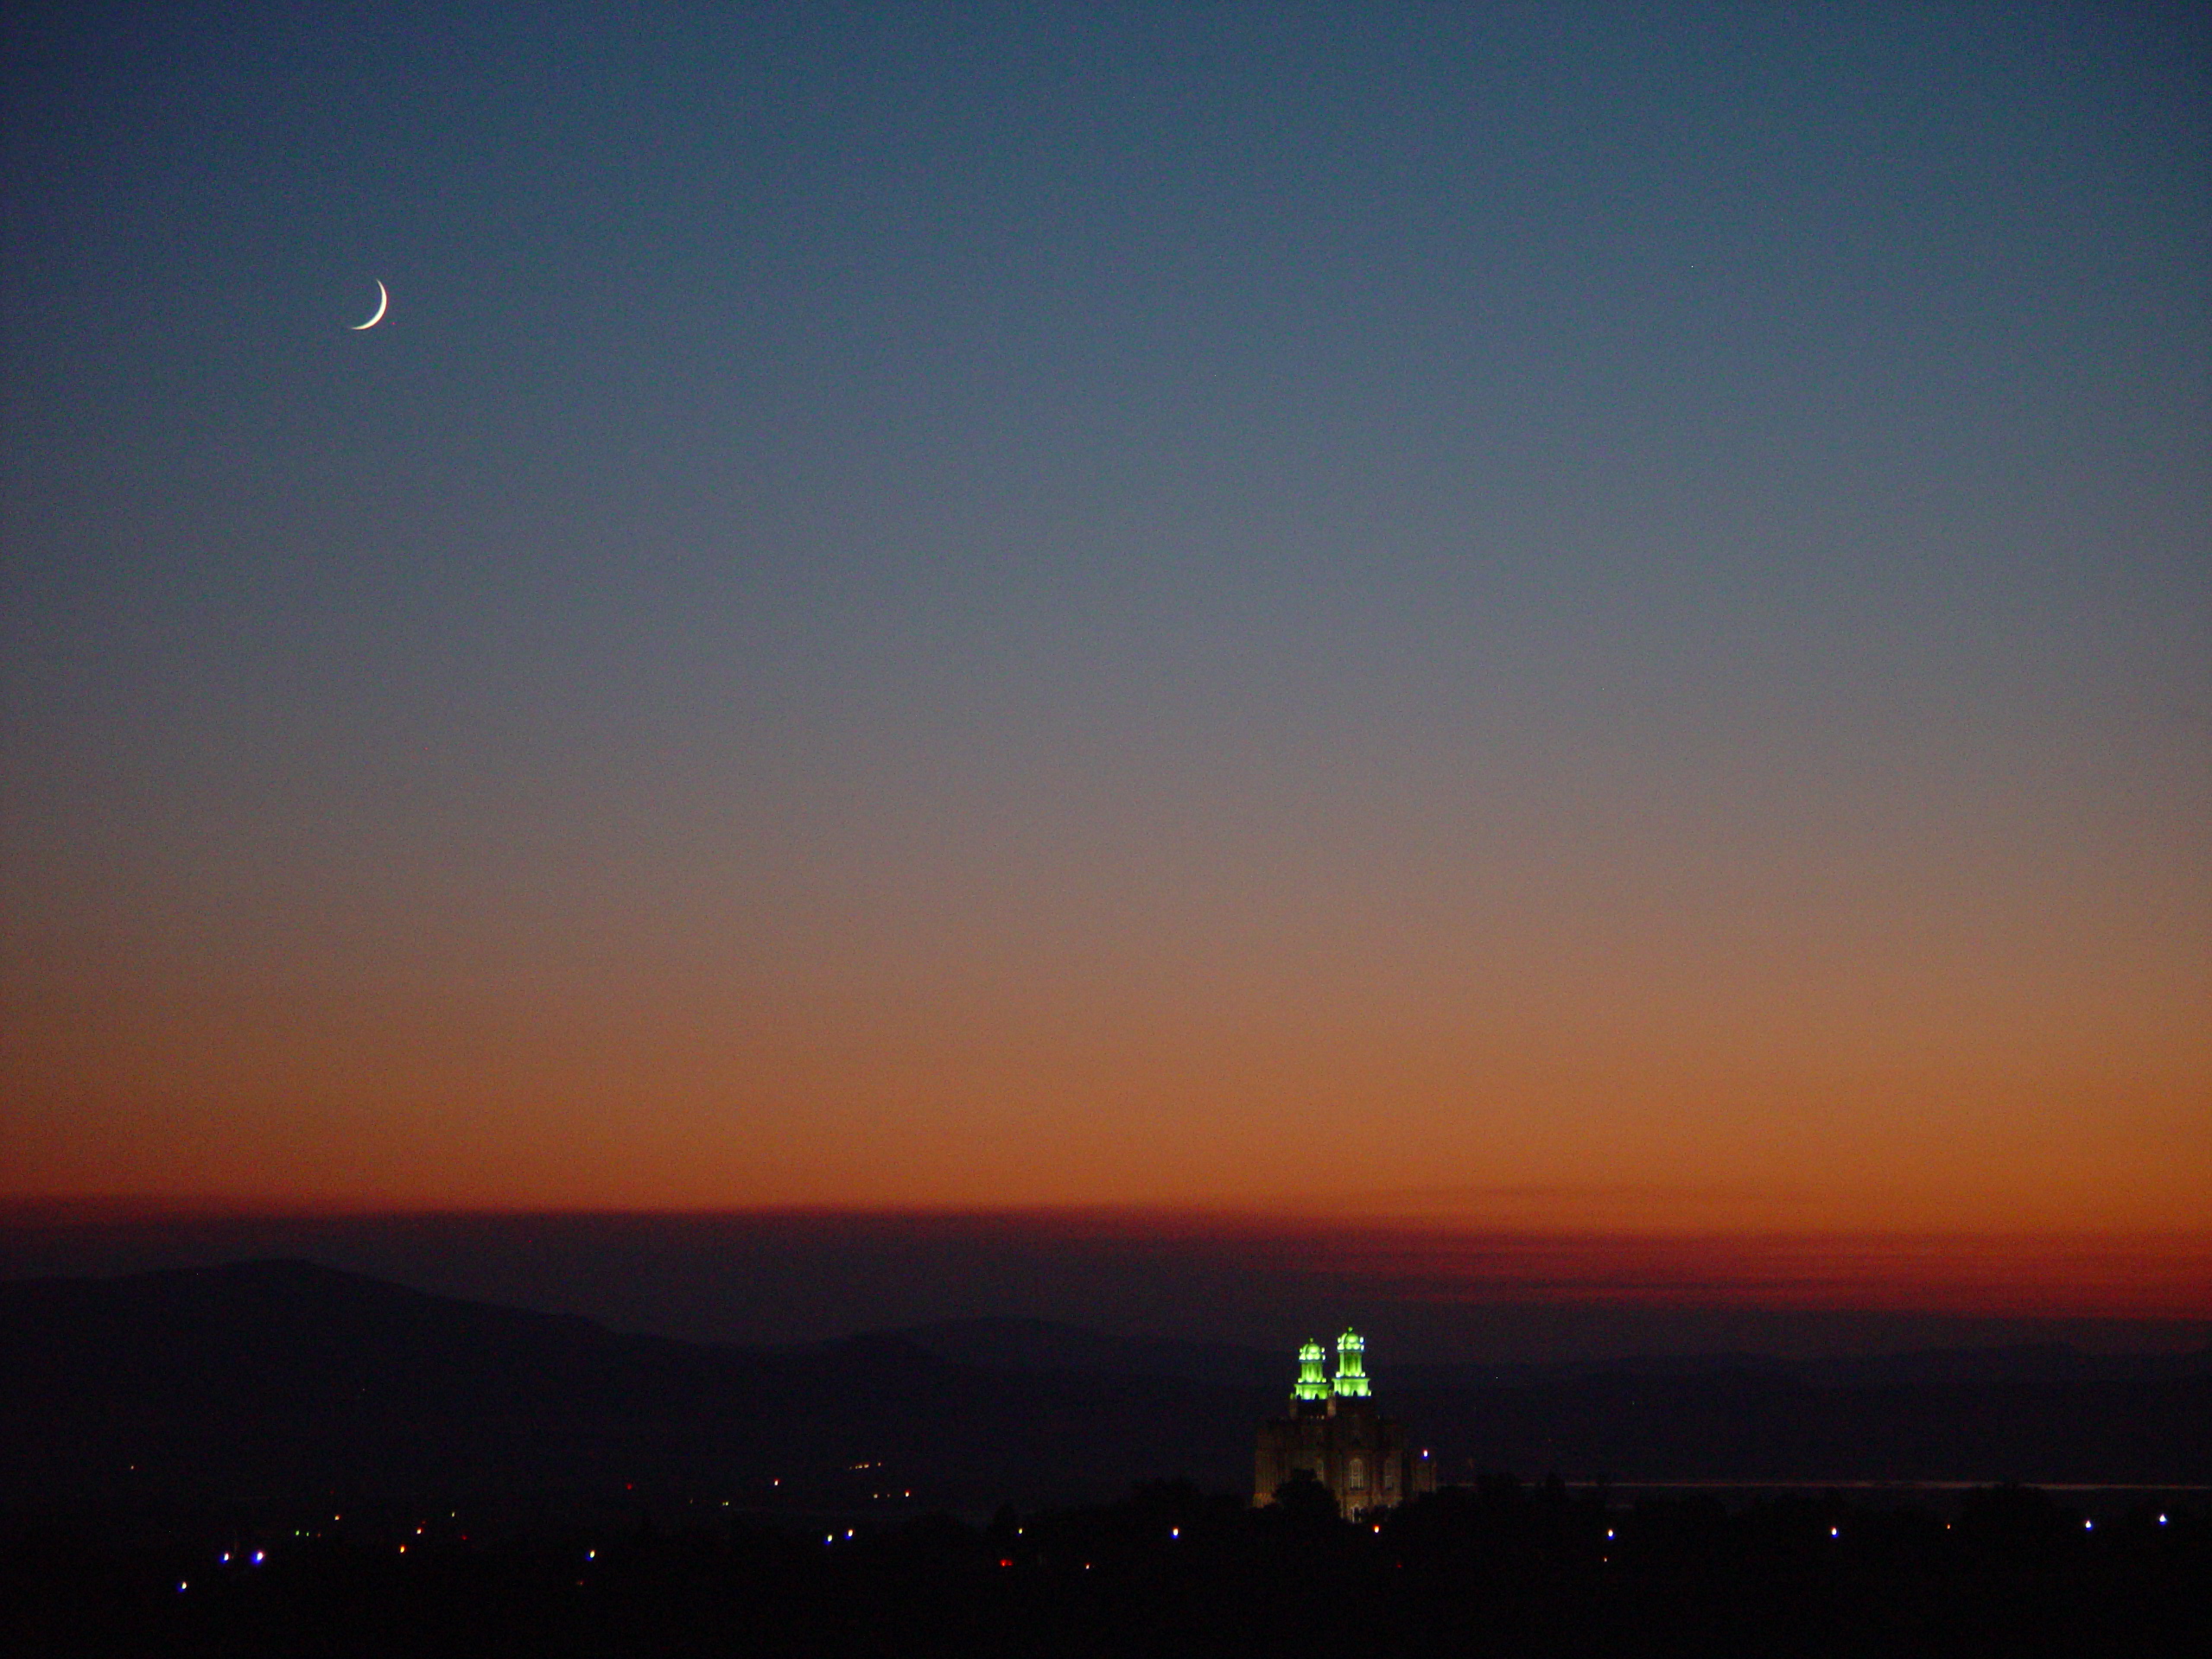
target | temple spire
x=1313, y=1379
x=1351, y=1366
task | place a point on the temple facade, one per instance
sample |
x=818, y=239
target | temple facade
x=1334, y=1434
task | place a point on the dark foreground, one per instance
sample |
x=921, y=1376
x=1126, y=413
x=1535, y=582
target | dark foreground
x=1498, y=1568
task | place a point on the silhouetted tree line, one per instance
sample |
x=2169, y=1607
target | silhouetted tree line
x=1498, y=1567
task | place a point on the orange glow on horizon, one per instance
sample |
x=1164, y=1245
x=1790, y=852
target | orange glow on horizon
x=2109, y=1275
x=1685, y=1049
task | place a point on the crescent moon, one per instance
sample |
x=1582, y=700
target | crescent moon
x=383, y=300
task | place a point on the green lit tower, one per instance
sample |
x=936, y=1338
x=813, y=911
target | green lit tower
x=1313, y=1379
x=1333, y=1435
x=1351, y=1367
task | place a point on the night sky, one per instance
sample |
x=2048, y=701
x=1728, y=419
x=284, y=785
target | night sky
x=1583, y=622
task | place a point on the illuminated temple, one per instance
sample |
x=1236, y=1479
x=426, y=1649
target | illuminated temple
x=1334, y=1436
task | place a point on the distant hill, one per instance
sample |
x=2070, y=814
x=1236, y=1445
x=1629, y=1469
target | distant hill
x=1041, y=1346
x=286, y=1380
x=277, y=1378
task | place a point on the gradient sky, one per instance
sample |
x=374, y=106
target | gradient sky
x=1559, y=619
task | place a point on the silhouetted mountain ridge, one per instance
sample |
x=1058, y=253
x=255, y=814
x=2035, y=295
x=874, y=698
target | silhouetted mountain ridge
x=288, y=1377
x=284, y=1379
x=1044, y=1345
